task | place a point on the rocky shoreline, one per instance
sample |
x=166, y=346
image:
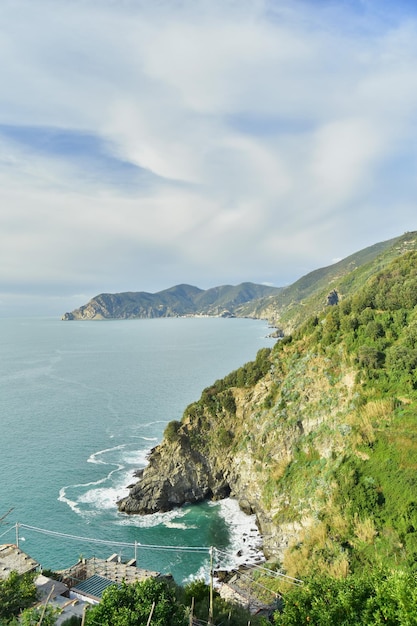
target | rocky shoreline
x=177, y=475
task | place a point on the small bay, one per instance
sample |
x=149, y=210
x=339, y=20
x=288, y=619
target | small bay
x=81, y=405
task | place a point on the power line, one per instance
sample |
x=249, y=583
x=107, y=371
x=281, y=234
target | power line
x=269, y=572
x=255, y=582
x=121, y=544
x=6, y=531
x=169, y=548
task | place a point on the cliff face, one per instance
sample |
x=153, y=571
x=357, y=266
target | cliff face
x=235, y=443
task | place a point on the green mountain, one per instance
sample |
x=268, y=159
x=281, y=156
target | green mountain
x=178, y=301
x=317, y=436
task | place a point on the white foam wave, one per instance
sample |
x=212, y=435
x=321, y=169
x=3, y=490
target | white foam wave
x=137, y=458
x=63, y=498
x=245, y=539
x=178, y=525
x=92, y=497
x=148, y=424
x=102, y=498
x=150, y=521
x=99, y=498
x=144, y=438
x=93, y=458
x=203, y=573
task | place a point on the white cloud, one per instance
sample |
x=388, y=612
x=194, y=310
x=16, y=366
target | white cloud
x=264, y=130
x=342, y=160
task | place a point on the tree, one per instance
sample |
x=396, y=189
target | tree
x=131, y=605
x=31, y=617
x=17, y=592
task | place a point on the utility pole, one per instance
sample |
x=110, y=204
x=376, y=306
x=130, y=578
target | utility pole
x=150, y=614
x=191, y=612
x=210, y=617
x=45, y=606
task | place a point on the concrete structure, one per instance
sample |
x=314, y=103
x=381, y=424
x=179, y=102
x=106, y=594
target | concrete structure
x=12, y=559
x=56, y=594
x=49, y=588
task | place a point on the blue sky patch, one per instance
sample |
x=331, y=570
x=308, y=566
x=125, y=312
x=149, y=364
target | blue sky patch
x=263, y=125
x=84, y=150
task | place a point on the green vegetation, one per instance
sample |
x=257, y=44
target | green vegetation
x=328, y=418
x=169, y=604
x=364, y=600
x=32, y=617
x=125, y=605
x=17, y=597
x=369, y=480
x=131, y=605
x=171, y=432
x=16, y=593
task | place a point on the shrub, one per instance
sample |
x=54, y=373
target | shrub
x=171, y=432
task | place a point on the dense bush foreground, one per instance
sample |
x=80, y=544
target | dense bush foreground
x=168, y=604
x=357, y=600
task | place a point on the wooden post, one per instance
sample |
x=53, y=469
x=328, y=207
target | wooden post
x=45, y=605
x=191, y=612
x=150, y=614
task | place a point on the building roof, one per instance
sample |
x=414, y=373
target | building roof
x=12, y=559
x=93, y=587
x=111, y=568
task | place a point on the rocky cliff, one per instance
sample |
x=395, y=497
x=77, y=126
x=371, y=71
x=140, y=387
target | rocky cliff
x=233, y=442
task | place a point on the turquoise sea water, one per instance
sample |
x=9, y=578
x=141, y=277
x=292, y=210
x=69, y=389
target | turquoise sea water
x=81, y=404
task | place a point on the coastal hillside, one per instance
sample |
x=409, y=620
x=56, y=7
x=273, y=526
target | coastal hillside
x=308, y=296
x=178, y=301
x=317, y=436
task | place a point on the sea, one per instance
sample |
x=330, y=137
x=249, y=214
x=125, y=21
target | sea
x=81, y=406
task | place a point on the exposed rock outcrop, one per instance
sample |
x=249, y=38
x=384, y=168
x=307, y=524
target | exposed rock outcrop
x=174, y=476
x=332, y=298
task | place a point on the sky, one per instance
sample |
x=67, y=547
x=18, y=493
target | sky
x=148, y=143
